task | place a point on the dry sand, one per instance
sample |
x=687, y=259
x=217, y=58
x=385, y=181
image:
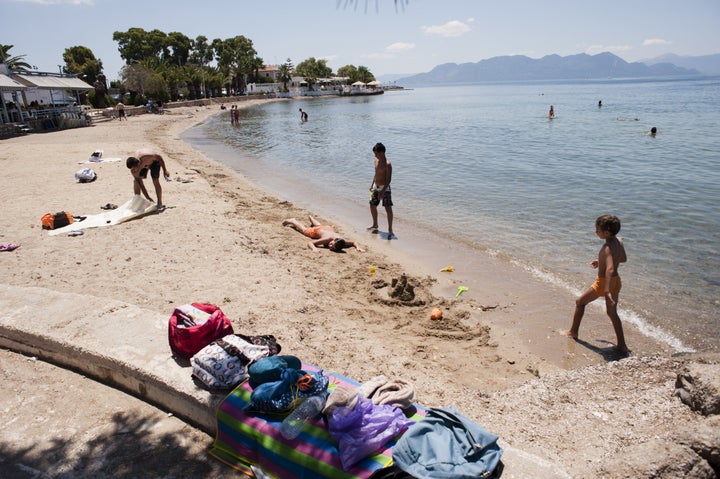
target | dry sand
x=221, y=241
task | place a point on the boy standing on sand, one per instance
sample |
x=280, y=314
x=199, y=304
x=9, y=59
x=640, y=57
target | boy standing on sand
x=608, y=282
x=381, y=189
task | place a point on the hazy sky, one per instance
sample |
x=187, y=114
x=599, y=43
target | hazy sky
x=413, y=37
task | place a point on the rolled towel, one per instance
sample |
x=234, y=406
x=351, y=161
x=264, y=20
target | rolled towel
x=341, y=396
x=396, y=392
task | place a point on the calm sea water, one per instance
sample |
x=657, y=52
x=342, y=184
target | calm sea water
x=482, y=163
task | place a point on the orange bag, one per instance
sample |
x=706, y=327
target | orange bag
x=58, y=220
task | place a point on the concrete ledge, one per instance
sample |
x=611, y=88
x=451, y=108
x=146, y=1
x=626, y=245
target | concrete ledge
x=116, y=343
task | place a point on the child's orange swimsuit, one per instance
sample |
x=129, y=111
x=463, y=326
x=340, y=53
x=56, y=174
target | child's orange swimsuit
x=314, y=231
x=599, y=286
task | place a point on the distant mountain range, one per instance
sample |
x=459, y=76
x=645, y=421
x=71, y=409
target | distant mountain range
x=554, y=67
x=705, y=64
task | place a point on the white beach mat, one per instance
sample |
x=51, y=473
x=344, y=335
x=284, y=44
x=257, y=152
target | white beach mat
x=135, y=208
x=99, y=160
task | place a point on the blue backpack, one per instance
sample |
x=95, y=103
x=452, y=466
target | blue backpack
x=447, y=445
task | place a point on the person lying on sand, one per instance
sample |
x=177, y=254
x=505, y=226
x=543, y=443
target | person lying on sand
x=322, y=235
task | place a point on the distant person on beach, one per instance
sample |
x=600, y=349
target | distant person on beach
x=380, y=189
x=139, y=165
x=607, y=283
x=235, y=115
x=599, y=103
x=551, y=113
x=322, y=235
x=303, y=115
x=653, y=131
x=120, y=108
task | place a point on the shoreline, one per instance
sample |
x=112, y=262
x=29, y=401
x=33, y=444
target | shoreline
x=220, y=240
x=481, y=203
x=495, y=282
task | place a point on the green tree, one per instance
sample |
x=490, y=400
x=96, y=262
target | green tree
x=256, y=64
x=14, y=63
x=354, y=73
x=236, y=58
x=136, y=45
x=135, y=77
x=312, y=69
x=175, y=77
x=201, y=52
x=179, y=48
x=81, y=61
x=349, y=71
x=285, y=74
x=364, y=74
x=214, y=81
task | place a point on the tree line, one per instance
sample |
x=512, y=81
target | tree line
x=170, y=66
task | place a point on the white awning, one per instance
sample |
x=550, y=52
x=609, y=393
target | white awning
x=375, y=83
x=358, y=83
x=53, y=82
x=8, y=84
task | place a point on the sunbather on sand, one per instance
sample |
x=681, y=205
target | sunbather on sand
x=322, y=235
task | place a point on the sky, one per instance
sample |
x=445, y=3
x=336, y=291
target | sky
x=389, y=38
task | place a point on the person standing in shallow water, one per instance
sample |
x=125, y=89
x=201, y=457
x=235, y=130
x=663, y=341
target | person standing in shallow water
x=607, y=283
x=303, y=115
x=380, y=189
x=551, y=113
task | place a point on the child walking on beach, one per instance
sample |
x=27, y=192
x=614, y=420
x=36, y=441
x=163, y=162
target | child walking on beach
x=608, y=282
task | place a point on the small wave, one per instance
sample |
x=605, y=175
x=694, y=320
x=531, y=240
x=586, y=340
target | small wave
x=627, y=315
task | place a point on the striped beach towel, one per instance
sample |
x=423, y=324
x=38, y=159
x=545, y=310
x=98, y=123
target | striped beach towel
x=244, y=440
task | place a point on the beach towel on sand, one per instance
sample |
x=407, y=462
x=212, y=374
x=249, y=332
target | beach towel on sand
x=245, y=440
x=135, y=208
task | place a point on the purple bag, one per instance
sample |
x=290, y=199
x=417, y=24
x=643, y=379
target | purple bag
x=364, y=429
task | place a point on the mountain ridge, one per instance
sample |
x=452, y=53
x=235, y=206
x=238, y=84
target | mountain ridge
x=555, y=67
x=705, y=64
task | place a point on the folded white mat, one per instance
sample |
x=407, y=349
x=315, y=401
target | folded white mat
x=138, y=206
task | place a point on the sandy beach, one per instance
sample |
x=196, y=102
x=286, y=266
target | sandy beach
x=496, y=354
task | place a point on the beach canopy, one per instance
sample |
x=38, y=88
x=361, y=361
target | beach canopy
x=358, y=83
x=52, y=82
x=374, y=83
x=8, y=84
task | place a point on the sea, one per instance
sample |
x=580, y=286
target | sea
x=481, y=164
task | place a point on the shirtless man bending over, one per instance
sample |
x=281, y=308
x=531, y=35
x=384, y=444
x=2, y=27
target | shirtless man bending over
x=139, y=165
x=322, y=235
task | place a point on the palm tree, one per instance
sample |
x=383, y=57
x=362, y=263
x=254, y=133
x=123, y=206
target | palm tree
x=364, y=74
x=16, y=63
x=286, y=73
x=214, y=81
